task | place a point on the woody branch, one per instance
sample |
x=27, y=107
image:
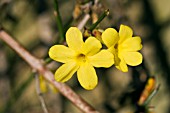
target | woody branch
x=38, y=66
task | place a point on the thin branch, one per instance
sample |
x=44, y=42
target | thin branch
x=83, y=22
x=59, y=21
x=37, y=86
x=37, y=65
x=105, y=13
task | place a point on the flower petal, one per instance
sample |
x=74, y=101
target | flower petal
x=102, y=59
x=66, y=71
x=87, y=76
x=74, y=38
x=125, y=32
x=122, y=67
x=61, y=53
x=132, y=58
x=112, y=49
x=131, y=44
x=121, y=64
x=91, y=46
x=110, y=37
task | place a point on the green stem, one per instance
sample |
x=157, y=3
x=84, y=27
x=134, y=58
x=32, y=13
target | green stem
x=59, y=21
x=48, y=60
x=105, y=13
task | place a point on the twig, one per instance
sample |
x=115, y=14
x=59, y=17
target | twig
x=59, y=21
x=83, y=22
x=37, y=65
x=105, y=13
x=37, y=86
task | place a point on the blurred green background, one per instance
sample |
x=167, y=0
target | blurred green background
x=33, y=24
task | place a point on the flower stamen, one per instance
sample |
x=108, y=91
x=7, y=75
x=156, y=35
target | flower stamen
x=116, y=46
x=81, y=58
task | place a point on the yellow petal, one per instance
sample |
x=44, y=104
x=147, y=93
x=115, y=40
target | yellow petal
x=87, y=76
x=121, y=65
x=74, y=38
x=91, y=46
x=102, y=59
x=112, y=49
x=125, y=32
x=61, y=53
x=132, y=58
x=110, y=37
x=43, y=85
x=131, y=44
x=66, y=71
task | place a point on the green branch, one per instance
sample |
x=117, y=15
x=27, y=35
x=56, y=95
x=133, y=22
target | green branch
x=105, y=13
x=59, y=21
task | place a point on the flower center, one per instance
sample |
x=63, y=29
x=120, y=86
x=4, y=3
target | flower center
x=81, y=58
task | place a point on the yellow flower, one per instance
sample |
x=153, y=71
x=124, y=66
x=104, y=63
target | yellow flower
x=44, y=85
x=80, y=56
x=123, y=46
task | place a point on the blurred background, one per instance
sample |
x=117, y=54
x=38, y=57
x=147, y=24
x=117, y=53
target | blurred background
x=33, y=24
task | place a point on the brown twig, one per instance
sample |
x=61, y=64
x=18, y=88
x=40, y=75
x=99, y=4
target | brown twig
x=38, y=66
